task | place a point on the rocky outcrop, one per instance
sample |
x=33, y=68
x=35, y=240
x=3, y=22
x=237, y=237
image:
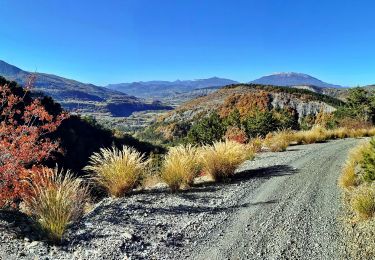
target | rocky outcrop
x=303, y=108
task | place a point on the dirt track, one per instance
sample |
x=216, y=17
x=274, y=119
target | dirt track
x=279, y=206
x=293, y=215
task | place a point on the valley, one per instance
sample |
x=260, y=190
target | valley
x=197, y=171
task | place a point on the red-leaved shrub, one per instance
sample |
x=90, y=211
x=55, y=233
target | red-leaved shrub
x=236, y=134
x=23, y=145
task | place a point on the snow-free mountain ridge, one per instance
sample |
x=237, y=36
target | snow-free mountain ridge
x=289, y=79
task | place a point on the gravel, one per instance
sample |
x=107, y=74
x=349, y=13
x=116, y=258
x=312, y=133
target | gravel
x=279, y=206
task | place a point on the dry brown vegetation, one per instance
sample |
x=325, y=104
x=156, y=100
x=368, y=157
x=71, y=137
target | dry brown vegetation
x=279, y=141
x=359, y=198
x=181, y=165
x=221, y=159
x=257, y=101
x=56, y=199
x=118, y=171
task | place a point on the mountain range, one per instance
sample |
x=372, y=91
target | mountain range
x=178, y=88
x=125, y=98
x=162, y=89
x=75, y=95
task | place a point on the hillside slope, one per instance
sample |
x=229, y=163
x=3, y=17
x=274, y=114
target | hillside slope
x=73, y=95
x=304, y=102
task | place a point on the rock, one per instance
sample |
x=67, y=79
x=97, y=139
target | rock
x=127, y=235
x=33, y=244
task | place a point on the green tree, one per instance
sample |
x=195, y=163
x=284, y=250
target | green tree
x=233, y=119
x=260, y=124
x=287, y=118
x=361, y=104
x=208, y=130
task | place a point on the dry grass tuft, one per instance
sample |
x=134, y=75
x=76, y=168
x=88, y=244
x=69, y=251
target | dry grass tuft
x=371, y=132
x=181, y=165
x=363, y=201
x=278, y=142
x=339, y=133
x=222, y=158
x=256, y=144
x=316, y=135
x=57, y=199
x=348, y=177
x=118, y=171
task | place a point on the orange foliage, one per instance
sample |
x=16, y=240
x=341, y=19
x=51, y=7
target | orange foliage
x=236, y=134
x=22, y=142
x=354, y=123
x=246, y=103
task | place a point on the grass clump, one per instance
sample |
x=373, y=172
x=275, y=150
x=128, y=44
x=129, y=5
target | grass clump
x=256, y=144
x=363, y=201
x=221, y=159
x=278, y=142
x=351, y=175
x=56, y=199
x=348, y=178
x=368, y=163
x=315, y=135
x=181, y=165
x=118, y=171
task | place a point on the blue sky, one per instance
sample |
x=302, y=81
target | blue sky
x=130, y=40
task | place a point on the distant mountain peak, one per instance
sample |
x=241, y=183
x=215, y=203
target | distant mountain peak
x=291, y=74
x=289, y=79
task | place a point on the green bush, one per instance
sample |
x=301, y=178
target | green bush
x=208, y=130
x=287, y=118
x=368, y=164
x=360, y=105
x=233, y=119
x=260, y=124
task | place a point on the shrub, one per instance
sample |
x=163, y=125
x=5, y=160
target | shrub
x=24, y=124
x=236, y=134
x=339, y=133
x=287, y=118
x=207, y=131
x=221, y=159
x=260, y=124
x=56, y=199
x=315, y=135
x=233, y=119
x=118, y=171
x=363, y=201
x=371, y=131
x=348, y=178
x=278, y=142
x=307, y=122
x=325, y=119
x=181, y=165
x=256, y=144
x=368, y=164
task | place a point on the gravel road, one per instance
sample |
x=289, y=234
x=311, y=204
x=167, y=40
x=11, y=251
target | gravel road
x=279, y=206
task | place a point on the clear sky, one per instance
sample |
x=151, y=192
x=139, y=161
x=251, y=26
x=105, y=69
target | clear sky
x=108, y=41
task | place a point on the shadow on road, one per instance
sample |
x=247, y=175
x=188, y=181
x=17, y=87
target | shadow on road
x=19, y=224
x=265, y=172
x=202, y=198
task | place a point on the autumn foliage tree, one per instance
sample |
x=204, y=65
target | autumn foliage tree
x=24, y=124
